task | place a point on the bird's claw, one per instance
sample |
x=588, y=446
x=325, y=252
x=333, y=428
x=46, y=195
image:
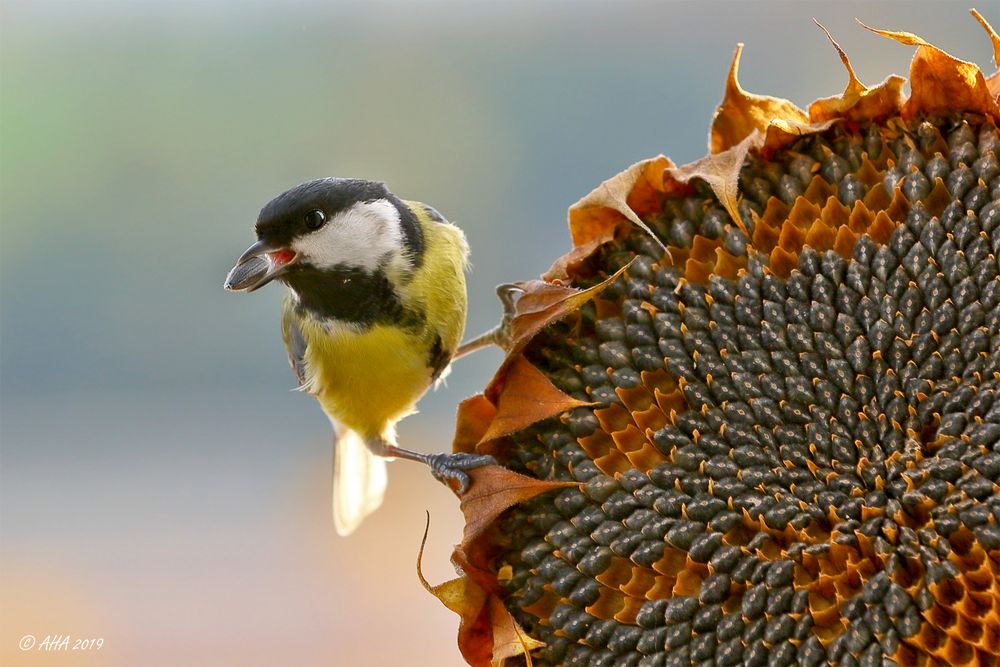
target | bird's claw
x=508, y=293
x=447, y=467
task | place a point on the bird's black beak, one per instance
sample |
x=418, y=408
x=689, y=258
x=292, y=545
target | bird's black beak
x=260, y=264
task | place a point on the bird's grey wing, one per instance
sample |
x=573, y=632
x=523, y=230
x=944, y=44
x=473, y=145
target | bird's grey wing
x=295, y=344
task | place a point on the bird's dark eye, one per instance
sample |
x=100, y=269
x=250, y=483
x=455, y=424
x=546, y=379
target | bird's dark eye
x=315, y=219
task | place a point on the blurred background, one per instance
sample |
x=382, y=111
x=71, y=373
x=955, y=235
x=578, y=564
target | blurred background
x=161, y=487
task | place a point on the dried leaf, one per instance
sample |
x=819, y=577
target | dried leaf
x=461, y=595
x=533, y=397
x=854, y=86
x=543, y=303
x=876, y=103
x=565, y=265
x=471, y=423
x=487, y=633
x=992, y=81
x=528, y=396
x=493, y=490
x=599, y=213
x=509, y=640
x=940, y=83
x=467, y=599
x=721, y=171
x=782, y=132
x=741, y=113
x=994, y=37
x=859, y=102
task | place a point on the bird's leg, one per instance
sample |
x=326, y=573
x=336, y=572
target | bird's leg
x=444, y=467
x=500, y=334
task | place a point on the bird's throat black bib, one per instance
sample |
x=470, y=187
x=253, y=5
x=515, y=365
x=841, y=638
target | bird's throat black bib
x=350, y=295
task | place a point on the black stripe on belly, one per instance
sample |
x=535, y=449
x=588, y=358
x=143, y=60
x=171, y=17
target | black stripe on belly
x=351, y=295
x=438, y=358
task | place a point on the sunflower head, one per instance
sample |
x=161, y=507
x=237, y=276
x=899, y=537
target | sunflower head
x=754, y=416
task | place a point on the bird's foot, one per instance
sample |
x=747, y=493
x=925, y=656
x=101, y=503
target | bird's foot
x=501, y=335
x=447, y=467
x=508, y=293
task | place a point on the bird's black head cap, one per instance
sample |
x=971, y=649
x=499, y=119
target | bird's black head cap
x=283, y=218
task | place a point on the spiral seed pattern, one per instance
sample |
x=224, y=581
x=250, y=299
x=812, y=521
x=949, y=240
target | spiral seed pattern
x=793, y=456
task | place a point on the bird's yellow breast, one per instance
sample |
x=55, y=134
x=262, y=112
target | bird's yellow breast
x=368, y=380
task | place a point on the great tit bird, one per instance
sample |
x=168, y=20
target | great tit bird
x=373, y=315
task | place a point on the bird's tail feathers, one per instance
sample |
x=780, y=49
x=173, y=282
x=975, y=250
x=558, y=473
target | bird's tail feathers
x=442, y=380
x=359, y=481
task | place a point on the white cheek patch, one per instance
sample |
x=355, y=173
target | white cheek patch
x=360, y=236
